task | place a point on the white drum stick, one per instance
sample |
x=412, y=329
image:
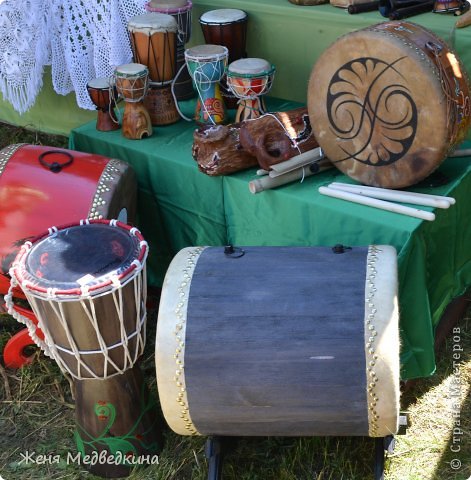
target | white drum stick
x=373, y=202
x=450, y=200
x=266, y=182
x=297, y=161
x=394, y=195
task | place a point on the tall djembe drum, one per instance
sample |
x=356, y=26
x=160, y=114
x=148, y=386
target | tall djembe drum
x=154, y=44
x=226, y=27
x=86, y=283
x=181, y=10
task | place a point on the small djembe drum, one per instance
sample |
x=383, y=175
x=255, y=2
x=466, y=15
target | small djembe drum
x=181, y=11
x=86, y=284
x=206, y=64
x=154, y=43
x=132, y=81
x=226, y=27
x=249, y=79
x=102, y=93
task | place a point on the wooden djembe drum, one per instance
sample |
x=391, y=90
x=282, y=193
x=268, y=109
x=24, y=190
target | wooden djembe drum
x=86, y=283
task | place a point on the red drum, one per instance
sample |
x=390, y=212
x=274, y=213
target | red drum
x=226, y=27
x=41, y=186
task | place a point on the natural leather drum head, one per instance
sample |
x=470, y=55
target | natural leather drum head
x=387, y=103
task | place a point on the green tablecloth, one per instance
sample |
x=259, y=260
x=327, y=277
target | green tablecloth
x=292, y=37
x=179, y=206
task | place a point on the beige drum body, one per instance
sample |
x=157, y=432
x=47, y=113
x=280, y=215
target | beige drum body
x=154, y=40
x=388, y=103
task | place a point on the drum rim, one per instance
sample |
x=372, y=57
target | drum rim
x=170, y=11
x=171, y=27
x=244, y=18
x=208, y=57
x=18, y=269
x=138, y=74
x=261, y=74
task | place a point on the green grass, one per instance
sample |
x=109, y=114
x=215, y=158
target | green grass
x=37, y=415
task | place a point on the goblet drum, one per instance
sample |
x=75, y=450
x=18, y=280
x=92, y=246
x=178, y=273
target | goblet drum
x=206, y=64
x=86, y=284
x=154, y=43
x=132, y=81
x=102, y=93
x=388, y=103
x=249, y=79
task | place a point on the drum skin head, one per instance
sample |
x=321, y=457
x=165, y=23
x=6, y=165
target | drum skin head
x=223, y=16
x=249, y=66
x=377, y=106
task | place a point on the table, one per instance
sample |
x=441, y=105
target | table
x=179, y=206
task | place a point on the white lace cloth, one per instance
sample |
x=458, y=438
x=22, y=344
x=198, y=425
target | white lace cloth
x=80, y=39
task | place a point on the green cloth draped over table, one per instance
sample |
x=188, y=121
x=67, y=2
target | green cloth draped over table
x=179, y=206
x=292, y=37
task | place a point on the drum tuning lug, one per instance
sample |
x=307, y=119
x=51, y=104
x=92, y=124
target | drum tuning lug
x=233, y=252
x=339, y=248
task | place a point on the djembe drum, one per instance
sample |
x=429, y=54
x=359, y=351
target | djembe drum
x=102, y=93
x=41, y=186
x=86, y=284
x=181, y=10
x=305, y=343
x=206, y=64
x=154, y=42
x=132, y=81
x=388, y=103
x=249, y=79
x=226, y=27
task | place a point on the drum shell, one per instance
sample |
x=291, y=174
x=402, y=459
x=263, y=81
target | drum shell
x=231, y=35
x=86, y=336
x=100, y=96
x=132, y=88
x=33, y=198
x=424, y=80
x=273, y=342
x=158, y=51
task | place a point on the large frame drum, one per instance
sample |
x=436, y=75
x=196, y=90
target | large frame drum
x=34, y=195
x=388, y=103
x=289, y=341
x=86, y=283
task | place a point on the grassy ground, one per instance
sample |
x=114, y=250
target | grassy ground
x=37, y=415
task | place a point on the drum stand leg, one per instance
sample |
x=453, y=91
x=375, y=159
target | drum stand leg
x=214, y=453
x=385, y=445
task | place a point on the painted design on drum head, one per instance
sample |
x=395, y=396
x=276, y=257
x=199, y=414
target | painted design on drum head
x=371, y=111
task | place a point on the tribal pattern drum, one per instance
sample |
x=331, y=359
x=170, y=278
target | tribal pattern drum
x=103, y=93
x=206, y=64
x=388, y=103
x=226, y=27
x=132, y=82
x=249, y=79
x=154, y=44
x=86, y=283
x=288, y=341
x=182, y=12
x=35, y=193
